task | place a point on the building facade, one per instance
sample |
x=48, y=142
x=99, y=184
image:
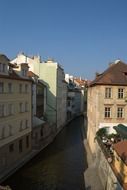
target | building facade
x=107, y=101
x=15, y=115
x=53, y=76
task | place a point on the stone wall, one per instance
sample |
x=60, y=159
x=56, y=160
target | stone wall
x=107, y=176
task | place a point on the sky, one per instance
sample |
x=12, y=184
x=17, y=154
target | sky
x=84, y=36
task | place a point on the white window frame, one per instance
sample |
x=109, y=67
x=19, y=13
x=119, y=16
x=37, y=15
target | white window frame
x=120, y=112
x=108, y=92
x=120, y=93
x=107, y=112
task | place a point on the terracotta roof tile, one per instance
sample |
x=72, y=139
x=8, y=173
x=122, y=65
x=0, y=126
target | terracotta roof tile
x=116, y=74
x=31, y=74
x=121, y=149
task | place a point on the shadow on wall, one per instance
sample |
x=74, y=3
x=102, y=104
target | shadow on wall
x=50, y=114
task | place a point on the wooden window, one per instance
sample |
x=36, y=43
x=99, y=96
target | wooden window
x=120, y=112
x=120, y=93
x=108, y=92
x=107, y=113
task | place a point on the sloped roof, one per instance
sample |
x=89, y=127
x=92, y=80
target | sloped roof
x=121, y=149
x=116, y=74
x=81, y=82
x=31, y=74
x=14, y=76
x=4, y=58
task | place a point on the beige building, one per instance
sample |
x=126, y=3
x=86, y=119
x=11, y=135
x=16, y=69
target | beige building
x=107, y=101
x=15, y=114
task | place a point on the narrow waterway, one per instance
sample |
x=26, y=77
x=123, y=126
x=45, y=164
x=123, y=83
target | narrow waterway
x=60, y=166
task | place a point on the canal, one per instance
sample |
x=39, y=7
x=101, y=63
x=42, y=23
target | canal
x=60, y=166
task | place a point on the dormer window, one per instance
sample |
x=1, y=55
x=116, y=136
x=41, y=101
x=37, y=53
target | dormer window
x=3, y=67
x=24, y=72
x=24, y=69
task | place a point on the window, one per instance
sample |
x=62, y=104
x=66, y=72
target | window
x=4, y=68
x=21, y=107
x=26, y=107
x=120, y=112
x=1, y=67
x=120, y=93
x=24, y=72
x=27, y=124
x=26, y=88
x=20, y=145
x=108, y=92
x=10, y=109
x=9, y=87
x=27, y=141
x=68, y=103
x=10, y=130
x=1, y=87
x=20, y=88
x=21, y=125
x=11, y=148
x=107, y=112
x=2, y=108
x=2, y=131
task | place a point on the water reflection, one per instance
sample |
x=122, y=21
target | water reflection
x=60, y=166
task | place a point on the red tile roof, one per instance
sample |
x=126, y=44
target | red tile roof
x=12, y=75
x=116, y=74
x=31, y=74
x=121, y=149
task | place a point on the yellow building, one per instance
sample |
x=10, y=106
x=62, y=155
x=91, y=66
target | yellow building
x=15, y=115
x=120, y=160
x=107, y=101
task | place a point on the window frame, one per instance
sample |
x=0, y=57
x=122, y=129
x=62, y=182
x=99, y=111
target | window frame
x=1, y=87
x=107, y=113
x=120, y=112
x=108, y=92
x=120, y=93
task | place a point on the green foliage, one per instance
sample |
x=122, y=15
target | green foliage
x=101, y=132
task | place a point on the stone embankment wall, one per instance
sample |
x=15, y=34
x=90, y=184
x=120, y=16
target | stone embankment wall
x=106, y=174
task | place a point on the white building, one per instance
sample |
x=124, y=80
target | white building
x=53, y=76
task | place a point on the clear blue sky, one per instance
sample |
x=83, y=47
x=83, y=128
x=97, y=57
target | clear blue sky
x=82, y=35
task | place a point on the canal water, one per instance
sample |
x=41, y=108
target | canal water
x=60, y=166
